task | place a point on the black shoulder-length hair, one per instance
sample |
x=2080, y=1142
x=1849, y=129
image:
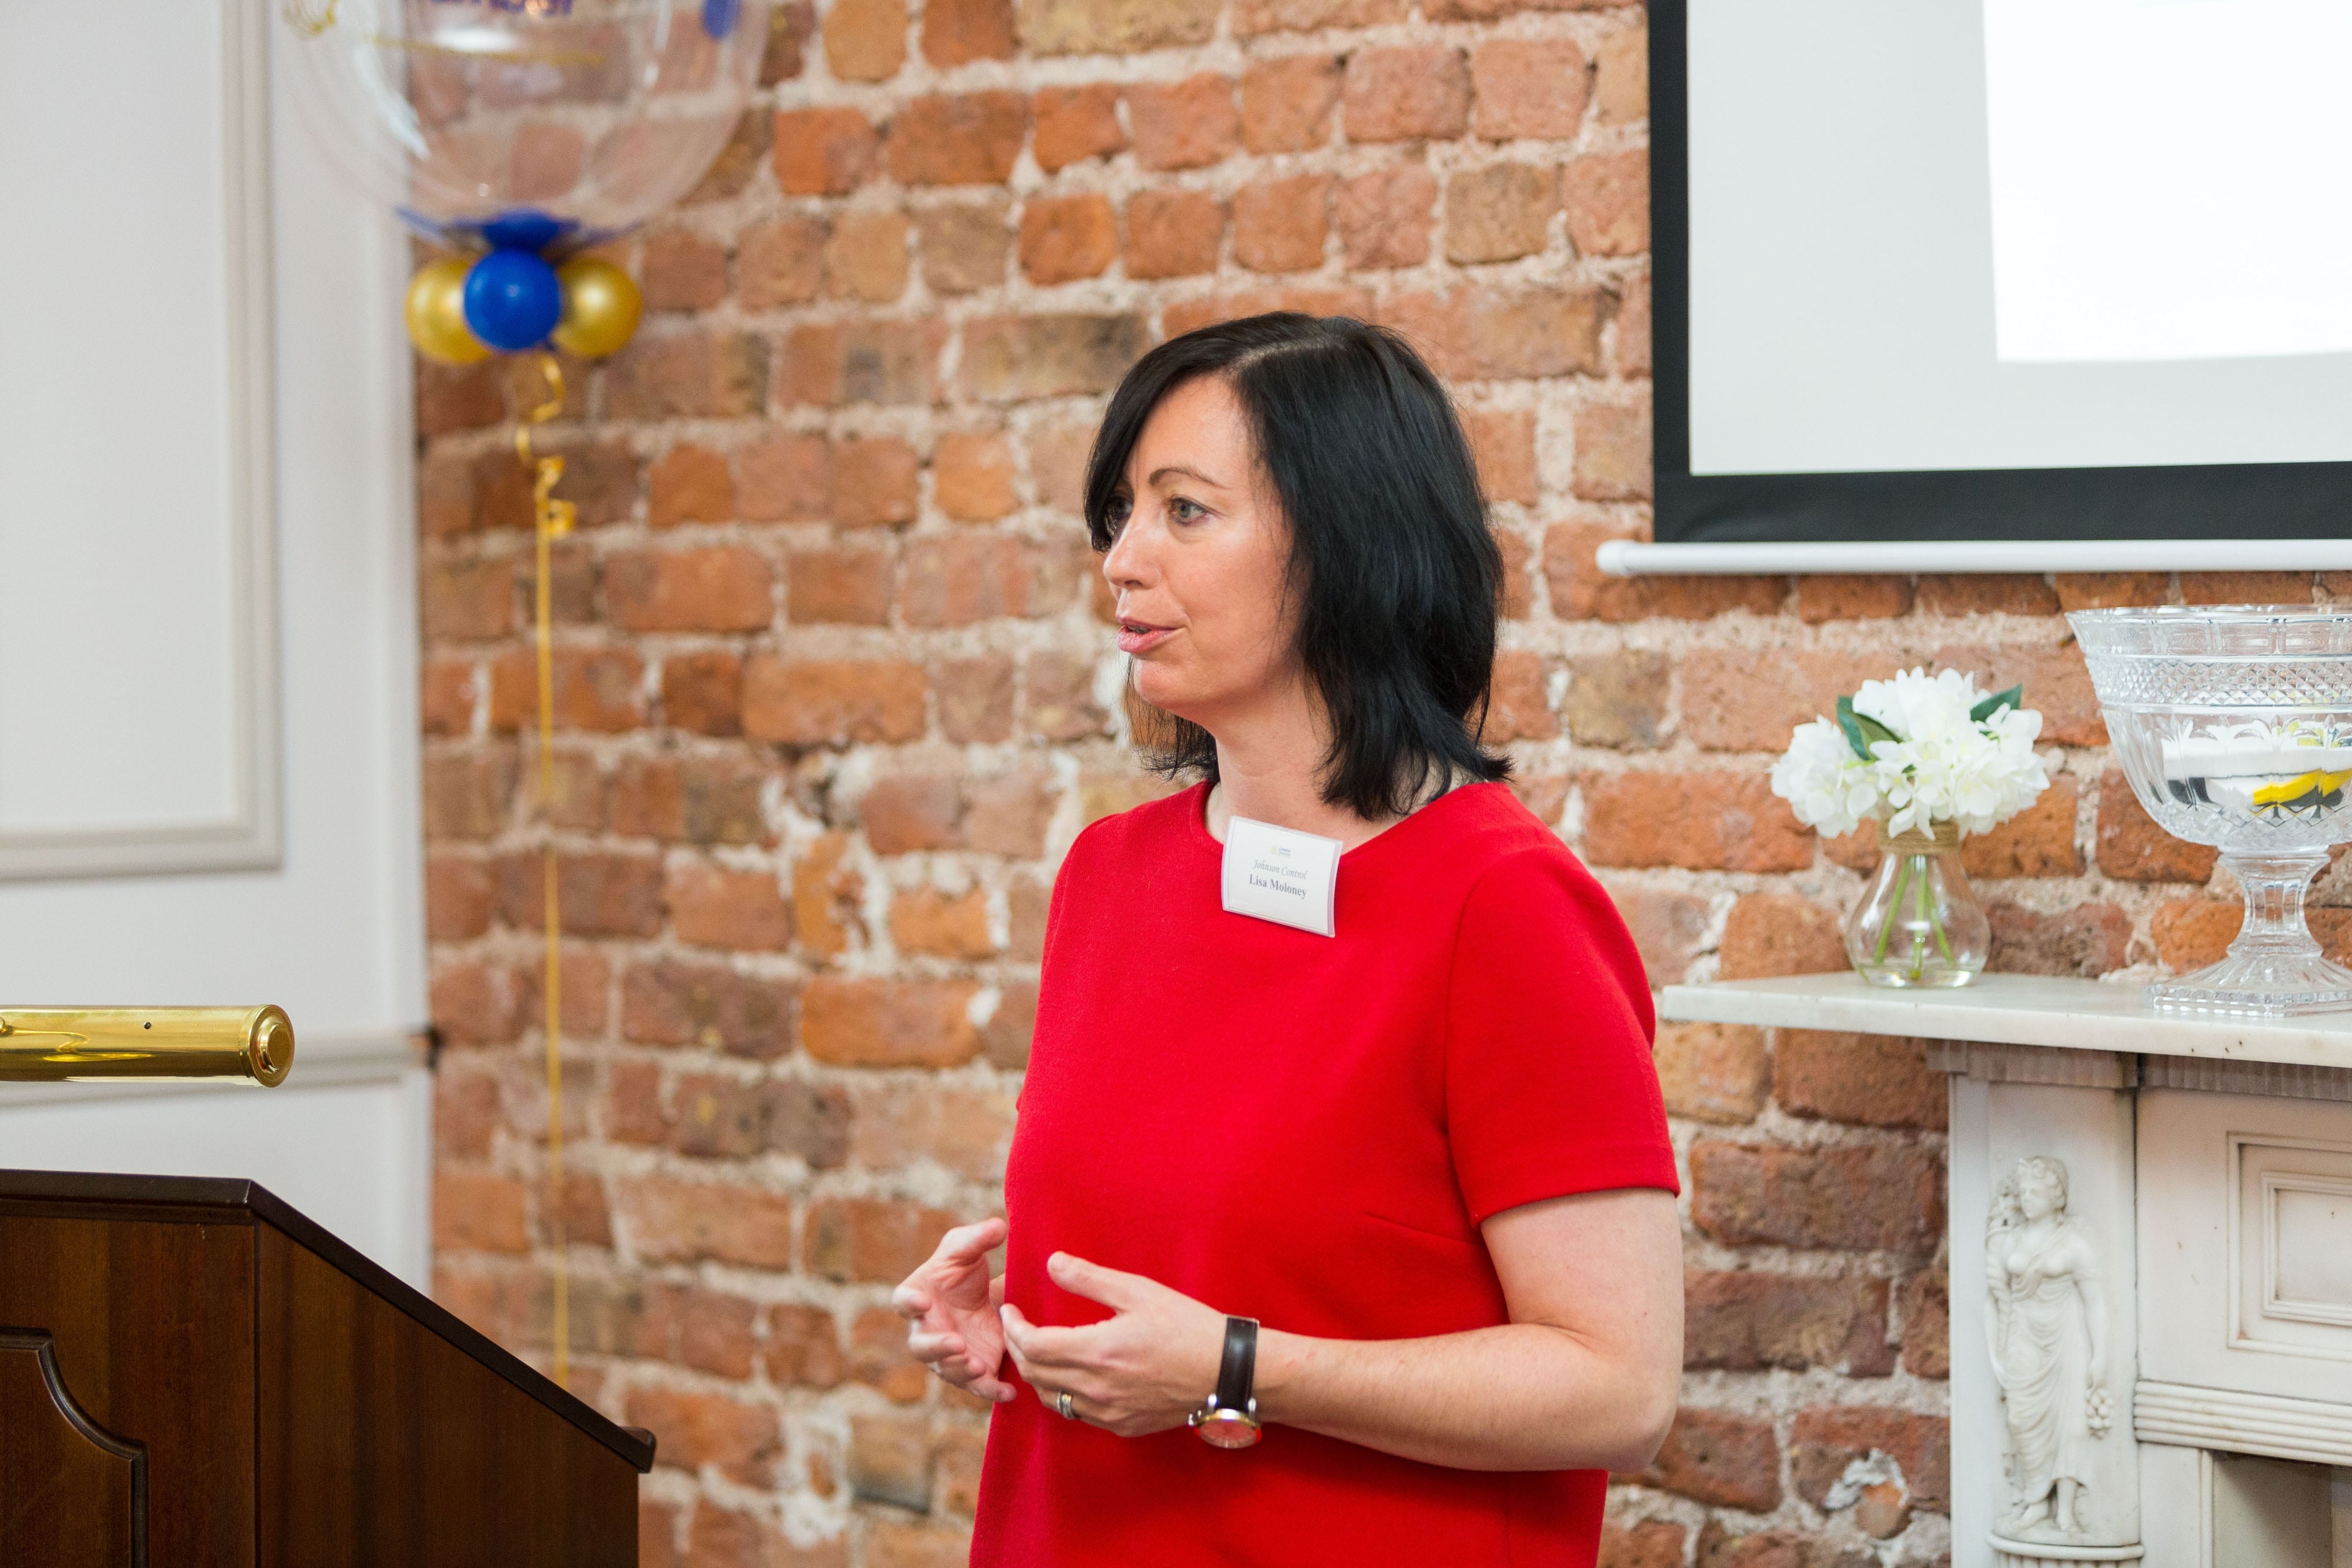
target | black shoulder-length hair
x=1390, y=548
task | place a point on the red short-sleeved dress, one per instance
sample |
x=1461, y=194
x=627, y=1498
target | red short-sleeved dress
x=1309, y=1131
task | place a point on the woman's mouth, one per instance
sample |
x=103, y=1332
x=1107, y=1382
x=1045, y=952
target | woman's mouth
x=1142, y=636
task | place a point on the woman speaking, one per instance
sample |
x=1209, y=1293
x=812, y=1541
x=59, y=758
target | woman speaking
x=1340, y=1220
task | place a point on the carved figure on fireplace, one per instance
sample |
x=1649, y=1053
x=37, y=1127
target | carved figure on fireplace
x=2045, y=1332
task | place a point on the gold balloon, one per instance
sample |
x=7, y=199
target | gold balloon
x=600, y=309
x=436, y=313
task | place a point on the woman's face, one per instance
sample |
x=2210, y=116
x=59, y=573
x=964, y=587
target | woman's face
x=1198, y=564
x=2036, y=1195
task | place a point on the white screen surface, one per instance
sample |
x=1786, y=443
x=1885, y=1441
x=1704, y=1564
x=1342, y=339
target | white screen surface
x=2152, y=300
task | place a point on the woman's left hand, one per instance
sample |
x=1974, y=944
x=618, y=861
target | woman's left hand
x=1142, y=1370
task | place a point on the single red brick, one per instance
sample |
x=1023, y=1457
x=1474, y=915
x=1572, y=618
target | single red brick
x=1768, y=933
x=459, y=893
x=1061, y=704
x=866, y=41
x=2085, y=941
x=2132, y=848
x=1702, y=821
x=906, y=812
x=888, y=1023
x=2289, y=588
x=965, y=245
x=1987, y=593
x=1825, y=1441
x=825, y=152
x=975, y=697
x=780, y=263
x=818, y=702
x=1116, y=26
x=863, y=361
x=1252, y=17
x=843, y=586
x=1063, y=238
x=1173, y=234
x=1608, y=199
x=786, y=479
x=1504, y=441
x=1383, y=217
x=957, y=32
x=1745, y=1320
x=2037, y=842
x=1188, y=124
x=479, y=1213
x=925, y=920
x=865, y=258
x=1875, y=1197
x=690, y=484
x=1732, y=701
x=703, y=692
x=1612, y=451
x=687, y=375
x=1877, y=1080
x=1536, y=332
x=2111, y=590
x=1286, y=103
x=972, y=476
x=673, y=1002
x=1715, y=1456
x=1499, y=212
x=1280, y=225
x=875, y=481
x=789, y=28
x=1519, y=707
x=1835, y=596
x=1529, y=87
x=596, y=688
x=1015, y=358
x=711, y=907
x=692, y=1429
x=1406, y=94
x=1633, y=337
x=726, y=588
x=467, y=796
x=1075, y=123
x=1621, y=75
x=600, y=894
x=1711, y=1072
x=465, y=600
x=682, y=270
x=958, y=138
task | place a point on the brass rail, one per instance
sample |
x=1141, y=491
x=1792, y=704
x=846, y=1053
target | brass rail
x=80, y=1045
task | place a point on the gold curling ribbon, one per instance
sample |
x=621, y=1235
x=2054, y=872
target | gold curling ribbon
x=554, y=519
x=310, y=19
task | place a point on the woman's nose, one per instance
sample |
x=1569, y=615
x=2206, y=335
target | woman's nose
x=1127, y=561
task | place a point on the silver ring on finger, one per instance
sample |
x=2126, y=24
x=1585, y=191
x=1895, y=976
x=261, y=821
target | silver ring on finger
x=1062, y=1404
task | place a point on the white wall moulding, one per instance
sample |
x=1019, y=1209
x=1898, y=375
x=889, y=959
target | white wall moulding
x=2237, y=1422
x=2016, y=1010
x=1630, y=557
x=2034, y=1064
x=139, y=687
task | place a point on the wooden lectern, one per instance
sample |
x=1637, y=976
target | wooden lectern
x=194, y=1376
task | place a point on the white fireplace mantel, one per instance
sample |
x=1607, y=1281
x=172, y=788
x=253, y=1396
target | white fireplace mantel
x=2171, y=1191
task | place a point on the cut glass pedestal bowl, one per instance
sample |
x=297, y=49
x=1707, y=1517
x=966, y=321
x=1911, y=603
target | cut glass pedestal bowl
x=2234, y=724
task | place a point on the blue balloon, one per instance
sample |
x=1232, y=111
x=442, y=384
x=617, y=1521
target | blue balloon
x=718, y=18
x=525, y=228
x=512, y=300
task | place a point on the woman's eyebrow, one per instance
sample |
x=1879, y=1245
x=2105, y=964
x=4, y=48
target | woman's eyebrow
x=1160, y=474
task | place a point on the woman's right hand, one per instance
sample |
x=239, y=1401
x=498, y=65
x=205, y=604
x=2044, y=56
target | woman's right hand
x=952, y=1306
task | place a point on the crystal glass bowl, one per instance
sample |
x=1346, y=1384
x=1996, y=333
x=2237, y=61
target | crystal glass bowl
x=2234, y=724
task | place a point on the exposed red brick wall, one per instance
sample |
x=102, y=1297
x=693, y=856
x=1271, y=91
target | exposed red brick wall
x=834, y=695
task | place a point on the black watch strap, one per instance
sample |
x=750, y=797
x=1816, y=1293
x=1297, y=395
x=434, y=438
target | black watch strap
x=1238, y=1372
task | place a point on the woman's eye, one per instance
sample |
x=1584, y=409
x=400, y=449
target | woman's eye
x=1185, y=511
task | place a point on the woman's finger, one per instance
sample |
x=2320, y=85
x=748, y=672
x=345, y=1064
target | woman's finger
x=1118, y=1292
x=970, y=1243
x=1049, y=1346
x=934, y=1346
x=908, y=1301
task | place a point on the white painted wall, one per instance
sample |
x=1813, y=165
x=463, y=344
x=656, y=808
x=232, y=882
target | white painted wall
x=118, y=526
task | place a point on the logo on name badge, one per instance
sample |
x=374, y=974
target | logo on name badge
x=1278, y=874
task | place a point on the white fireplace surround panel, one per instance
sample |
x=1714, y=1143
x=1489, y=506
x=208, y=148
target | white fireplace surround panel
x=2209, y=1185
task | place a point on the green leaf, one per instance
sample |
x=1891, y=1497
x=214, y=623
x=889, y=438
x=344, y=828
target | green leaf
x=2013, y=697
x=1860, y=729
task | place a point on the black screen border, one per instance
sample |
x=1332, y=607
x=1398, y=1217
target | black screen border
x=2242, y=500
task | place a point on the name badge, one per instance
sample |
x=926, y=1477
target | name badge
x=1275, y=873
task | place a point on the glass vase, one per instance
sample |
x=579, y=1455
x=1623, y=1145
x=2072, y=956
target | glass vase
x=1918, y=921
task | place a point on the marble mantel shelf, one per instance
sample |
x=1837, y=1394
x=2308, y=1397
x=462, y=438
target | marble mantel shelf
x=2013, y=1009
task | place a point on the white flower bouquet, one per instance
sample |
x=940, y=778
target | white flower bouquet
x=1932, y=758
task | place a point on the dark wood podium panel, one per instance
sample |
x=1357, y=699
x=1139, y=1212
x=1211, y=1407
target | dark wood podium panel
x=193, y=1372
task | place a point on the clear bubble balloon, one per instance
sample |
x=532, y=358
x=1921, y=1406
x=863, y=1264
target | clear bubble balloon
x=538, y=124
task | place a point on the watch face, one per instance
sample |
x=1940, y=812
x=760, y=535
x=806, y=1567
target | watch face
x=1228, y=1429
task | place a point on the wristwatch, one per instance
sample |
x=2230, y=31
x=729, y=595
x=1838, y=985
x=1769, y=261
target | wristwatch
x=1228, y=1418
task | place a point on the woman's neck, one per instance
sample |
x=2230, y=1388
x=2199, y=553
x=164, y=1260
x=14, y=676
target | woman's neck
x=1270, y=771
